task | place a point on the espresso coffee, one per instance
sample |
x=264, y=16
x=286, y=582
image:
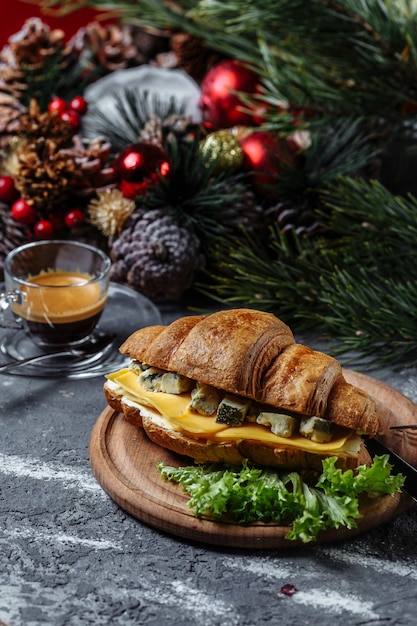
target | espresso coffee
x=61, y=308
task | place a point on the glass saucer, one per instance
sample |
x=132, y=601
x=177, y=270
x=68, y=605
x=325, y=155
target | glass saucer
x=126, y=311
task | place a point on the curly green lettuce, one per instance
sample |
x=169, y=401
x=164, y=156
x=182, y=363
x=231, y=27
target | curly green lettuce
x=307, y=503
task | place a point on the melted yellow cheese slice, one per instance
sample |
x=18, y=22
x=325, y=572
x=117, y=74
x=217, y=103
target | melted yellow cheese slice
x=174, y=409
x=166, y=403
x=257, y=432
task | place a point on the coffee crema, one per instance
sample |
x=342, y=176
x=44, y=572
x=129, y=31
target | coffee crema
x=60, y=297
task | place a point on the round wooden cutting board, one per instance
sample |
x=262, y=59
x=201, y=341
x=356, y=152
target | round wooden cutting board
x=124, y=463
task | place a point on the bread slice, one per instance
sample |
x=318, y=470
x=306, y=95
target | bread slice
x=205, y=450
x=254, y=354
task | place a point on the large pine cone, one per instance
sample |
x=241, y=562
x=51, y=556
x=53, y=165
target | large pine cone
x=156, y=255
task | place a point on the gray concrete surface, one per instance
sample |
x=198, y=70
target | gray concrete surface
x=69, y=556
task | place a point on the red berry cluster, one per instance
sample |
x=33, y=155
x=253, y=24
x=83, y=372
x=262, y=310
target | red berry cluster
x=69, y=112
x=22, y=211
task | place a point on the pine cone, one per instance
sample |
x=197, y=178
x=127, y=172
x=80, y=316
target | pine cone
x=245, y=212
x=113, y=47
x=12, y=234
x=45, y=176
x=35, y=43
x=30, y=50
x=156, y=255
x=152, y=131
x=301, y=221
x=157, y=130
x=11, y=112
x=35, y=125
x=192, y=56
x=92, y=172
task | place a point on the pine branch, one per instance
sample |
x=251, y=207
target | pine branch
x=356, y=287
x=207, y=198
x=335, y=55
x=133, y=107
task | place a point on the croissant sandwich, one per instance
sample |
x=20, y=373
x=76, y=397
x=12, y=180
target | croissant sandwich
x=235, y=386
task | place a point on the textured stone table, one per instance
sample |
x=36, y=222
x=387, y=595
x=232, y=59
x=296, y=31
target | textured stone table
x=70, y=556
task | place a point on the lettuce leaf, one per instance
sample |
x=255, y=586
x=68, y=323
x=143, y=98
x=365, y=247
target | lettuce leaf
x=308, y=503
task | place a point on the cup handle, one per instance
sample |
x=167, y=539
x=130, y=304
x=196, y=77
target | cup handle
x=6, y=299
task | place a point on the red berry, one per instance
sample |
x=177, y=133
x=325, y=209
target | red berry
x=57, y=105
x=74, y=218
x=72, y=117
x=79, y=104
x=23, y=212
x=57, y=220
x=43, y=230
x=7, y=189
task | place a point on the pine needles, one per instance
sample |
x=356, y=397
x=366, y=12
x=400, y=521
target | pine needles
x=360, y=287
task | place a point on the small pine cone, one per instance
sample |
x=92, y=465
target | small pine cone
x=35, y=125
x=30, y=50
x=245, y=212
x=152, y=131
x=12, y=234
x=91, y=165
x=158, y=131
x=11, y=112
x=156, y=255
x=45, y=175
x=192, y=56
x=180, y=127
x=35, y=44
x=300, y=221
x=115, y=47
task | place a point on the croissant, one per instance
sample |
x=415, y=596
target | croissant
x=236, y=385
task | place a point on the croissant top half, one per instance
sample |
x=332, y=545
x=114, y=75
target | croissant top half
x=254, y=354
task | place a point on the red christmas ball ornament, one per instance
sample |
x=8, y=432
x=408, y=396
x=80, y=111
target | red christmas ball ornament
x=140, y=166
x=43, y=229
x=8, y=192
x=221, y=107
x=23, y=212
x=79, y=104
x=265, y=155
x=57, y=105
x=74, y=218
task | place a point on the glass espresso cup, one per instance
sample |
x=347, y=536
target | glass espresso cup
x=55, y=290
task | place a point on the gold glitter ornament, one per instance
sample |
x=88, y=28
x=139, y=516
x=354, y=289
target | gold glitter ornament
x=110, y=210
x=223, y=148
